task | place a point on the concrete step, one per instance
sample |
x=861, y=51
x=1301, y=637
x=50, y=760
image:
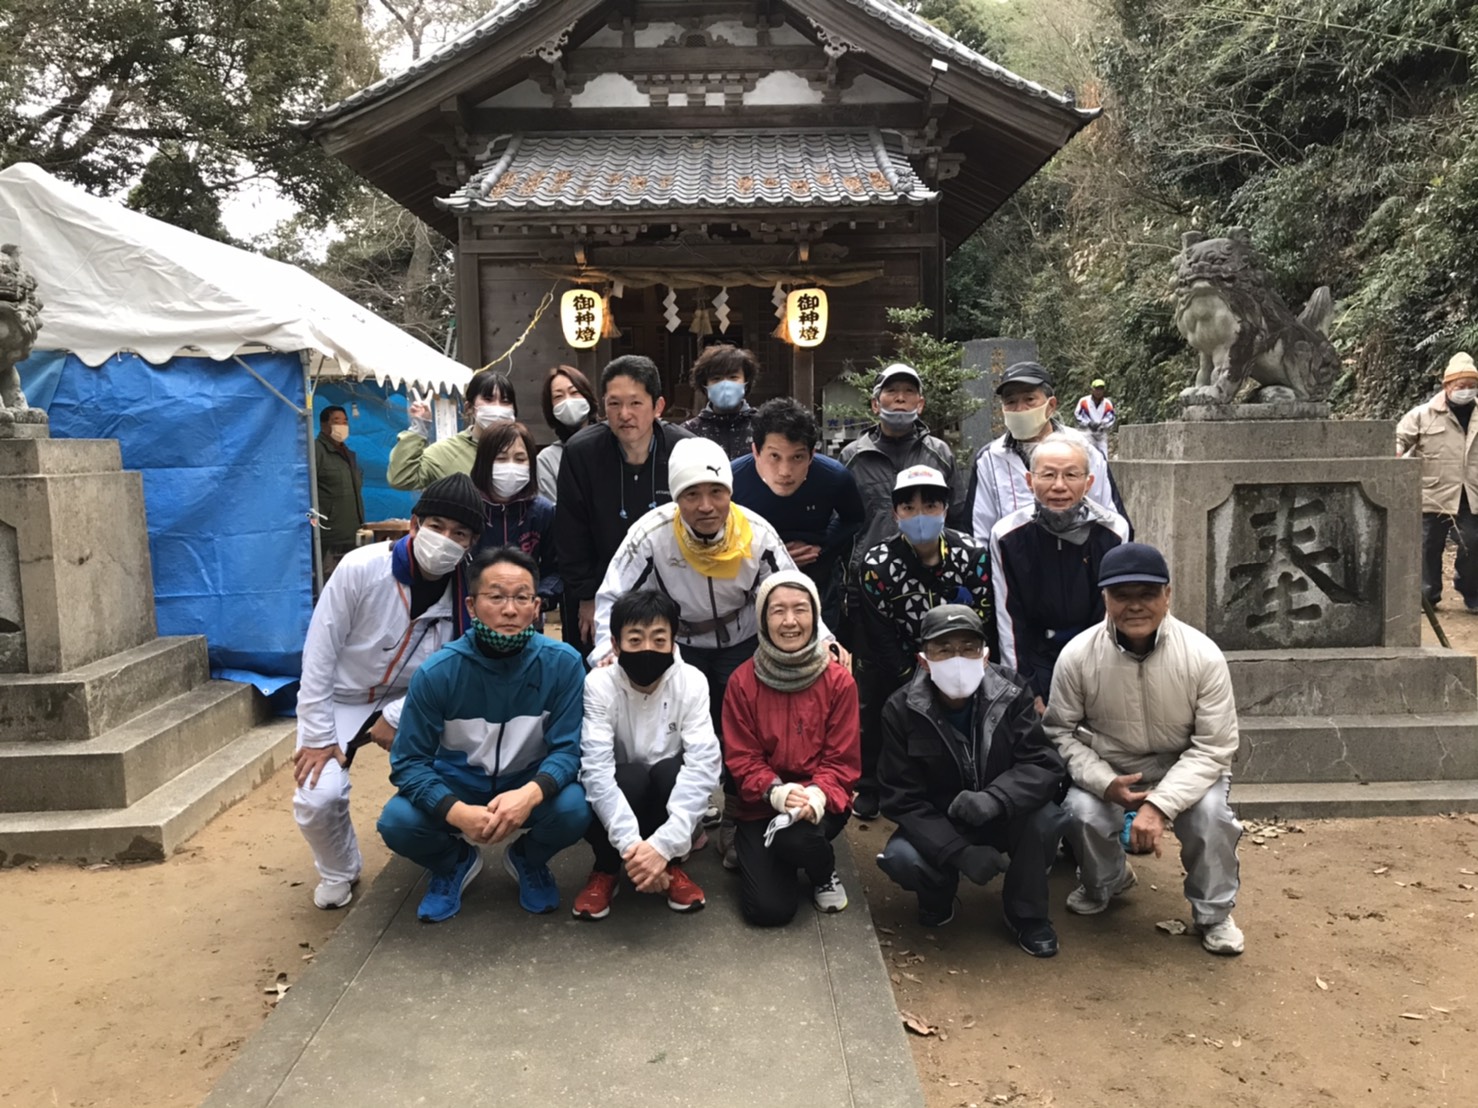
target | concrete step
x=84, y=703
x=122, y=765
x=154, y=827
x=1438, y=747
x=1314, y=800
x=1353, y=681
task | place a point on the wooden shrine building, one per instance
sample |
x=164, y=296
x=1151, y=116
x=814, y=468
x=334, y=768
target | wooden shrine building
x=672, y=153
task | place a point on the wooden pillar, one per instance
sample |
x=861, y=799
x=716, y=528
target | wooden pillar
x=587, y=362
x=469, y=298
x=803, y=375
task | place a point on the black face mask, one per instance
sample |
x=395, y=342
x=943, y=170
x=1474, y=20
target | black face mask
x=645, y=667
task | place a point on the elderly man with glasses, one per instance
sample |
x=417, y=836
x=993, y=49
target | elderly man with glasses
x=968, y=774
x=1044, y=561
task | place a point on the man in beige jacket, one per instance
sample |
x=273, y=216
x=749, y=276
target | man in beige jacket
x=1143, y=714
x=1441, y=432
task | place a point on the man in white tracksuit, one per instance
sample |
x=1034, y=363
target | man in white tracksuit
x=649, y=759
x=387, y=608
x=1142, y=712
x=707, y=553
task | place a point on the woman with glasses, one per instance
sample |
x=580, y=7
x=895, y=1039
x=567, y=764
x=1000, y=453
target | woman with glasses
x=968, y=774
x=1044, y=560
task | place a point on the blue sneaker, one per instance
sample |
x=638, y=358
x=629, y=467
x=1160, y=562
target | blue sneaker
x=443, y=898
x=537, y=892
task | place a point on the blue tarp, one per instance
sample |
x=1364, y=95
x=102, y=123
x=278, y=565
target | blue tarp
x=225, y=471
x=375, y=419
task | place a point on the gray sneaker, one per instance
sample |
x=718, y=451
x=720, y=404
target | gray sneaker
x=1222, y=938
x=1082, y=902
x=830, y=896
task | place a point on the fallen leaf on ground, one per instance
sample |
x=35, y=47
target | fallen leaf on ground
x=1469, y=872
x=969, y=1023
x=1380, y=870
x=912, y=978
x=1322, y=983
x=885, y=930
x=1171, y=926
x=1444, y=1011
x=915, y=1024
x=1412, y=1016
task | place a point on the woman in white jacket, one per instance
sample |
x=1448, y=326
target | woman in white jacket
x=649, y=759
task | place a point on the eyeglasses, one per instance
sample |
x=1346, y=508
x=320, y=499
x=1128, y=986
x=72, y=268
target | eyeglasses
x=940, y=652
x=497, y=599
x=1050, y=476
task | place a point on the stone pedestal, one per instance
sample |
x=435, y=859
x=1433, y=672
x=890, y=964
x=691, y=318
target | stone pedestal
x=1295, y=544
x=75, y=582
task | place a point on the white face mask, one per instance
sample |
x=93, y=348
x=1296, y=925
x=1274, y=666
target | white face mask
x=339, y=432
x=957, y=678
x=488, y=414
x=572, y=412
x=436, y=554
x=1456, y=396
x=509, y=478
x=1027, y=425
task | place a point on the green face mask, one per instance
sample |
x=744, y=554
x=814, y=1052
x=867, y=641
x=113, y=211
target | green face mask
x=499, y=643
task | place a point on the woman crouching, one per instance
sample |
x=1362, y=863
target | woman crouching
x=791, y=745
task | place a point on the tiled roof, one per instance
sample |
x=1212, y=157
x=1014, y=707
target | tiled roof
x=635, y=171
x=506, y=12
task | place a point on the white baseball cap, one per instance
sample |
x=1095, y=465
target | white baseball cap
x=920, y=477
x=897, y=369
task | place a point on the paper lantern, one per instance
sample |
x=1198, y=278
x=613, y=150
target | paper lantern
x=582, y=313
x=805, y=317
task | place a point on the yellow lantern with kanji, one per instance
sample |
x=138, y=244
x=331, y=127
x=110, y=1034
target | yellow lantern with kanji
x=582, y=314
x=805, y=317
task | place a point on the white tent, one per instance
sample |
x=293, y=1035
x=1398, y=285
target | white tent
x=113, y=280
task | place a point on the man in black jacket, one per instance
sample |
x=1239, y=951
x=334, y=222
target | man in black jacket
x=611, y=475
x=967, y=772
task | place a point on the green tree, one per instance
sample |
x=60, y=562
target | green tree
x=208, y=90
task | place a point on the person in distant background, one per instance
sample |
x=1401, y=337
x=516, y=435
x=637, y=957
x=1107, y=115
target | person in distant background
x=569, y=405
x=724, y=374
x=340, y=488
x=1095, y=414
x=514, y=514
x=414, y=465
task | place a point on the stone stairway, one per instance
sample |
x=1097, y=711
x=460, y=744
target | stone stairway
x=1356, y=731
x=115, y=744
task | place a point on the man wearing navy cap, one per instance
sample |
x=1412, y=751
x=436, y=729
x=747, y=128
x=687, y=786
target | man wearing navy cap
x=967, y=773
x=998, y=484
x=1142, y=711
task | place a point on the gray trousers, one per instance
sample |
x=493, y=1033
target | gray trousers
x=1208, y=832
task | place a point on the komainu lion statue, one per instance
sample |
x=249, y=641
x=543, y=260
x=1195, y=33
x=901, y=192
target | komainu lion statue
x=1228, y=311
x=20, y=320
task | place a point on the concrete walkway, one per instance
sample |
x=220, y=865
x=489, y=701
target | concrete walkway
x=646, y=1007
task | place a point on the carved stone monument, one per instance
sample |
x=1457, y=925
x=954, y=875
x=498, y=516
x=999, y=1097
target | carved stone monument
x=1294, y=543
x=114, y=743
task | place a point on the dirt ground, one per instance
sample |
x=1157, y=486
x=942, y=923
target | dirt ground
x=137, y=986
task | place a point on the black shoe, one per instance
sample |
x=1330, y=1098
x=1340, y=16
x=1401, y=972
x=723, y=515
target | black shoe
x=936, y=915
x=1035, y=936
x=865, y=805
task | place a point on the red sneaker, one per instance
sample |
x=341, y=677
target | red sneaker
x=594, y=901
x=683, y=893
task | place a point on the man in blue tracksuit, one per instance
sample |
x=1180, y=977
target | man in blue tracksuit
x=489, y=744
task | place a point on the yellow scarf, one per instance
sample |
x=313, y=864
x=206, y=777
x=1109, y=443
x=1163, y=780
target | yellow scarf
x=718, y=559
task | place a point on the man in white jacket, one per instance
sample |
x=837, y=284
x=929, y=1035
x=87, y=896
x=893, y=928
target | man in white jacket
x=649, y=759
x=386, y=609
x=1142, y=712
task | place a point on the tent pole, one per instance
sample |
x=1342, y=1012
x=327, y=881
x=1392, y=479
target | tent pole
x=314, y=517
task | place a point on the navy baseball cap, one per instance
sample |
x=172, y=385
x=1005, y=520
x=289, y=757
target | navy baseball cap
x=1132, y=562
x=1024, y=373
x=948, y=618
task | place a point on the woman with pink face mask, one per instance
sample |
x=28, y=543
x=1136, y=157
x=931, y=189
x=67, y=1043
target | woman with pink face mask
x=514, y=512
x=414, y=464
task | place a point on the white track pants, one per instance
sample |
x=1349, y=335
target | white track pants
x=322, y=811
x=1208, y=832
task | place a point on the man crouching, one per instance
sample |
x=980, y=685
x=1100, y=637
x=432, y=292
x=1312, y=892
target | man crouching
x=1142, y=711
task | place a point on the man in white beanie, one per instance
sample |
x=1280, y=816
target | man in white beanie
x=1441, y=433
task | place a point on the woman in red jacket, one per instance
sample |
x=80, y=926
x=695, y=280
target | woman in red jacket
x=791, y=745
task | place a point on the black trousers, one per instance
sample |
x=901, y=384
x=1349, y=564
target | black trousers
x=647, y=789
x=1029, y=837
x=569, y=619
x=769, y=893
x=1464, y=529
x=718, y=665
x=873, y=690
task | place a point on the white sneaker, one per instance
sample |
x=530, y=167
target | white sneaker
x=1082, y=902
x=1223, y=938
x=830, y=897
x=334, y=894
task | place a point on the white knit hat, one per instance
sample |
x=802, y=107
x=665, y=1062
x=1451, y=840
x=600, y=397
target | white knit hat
x=695, y=461
x=1460, y=365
